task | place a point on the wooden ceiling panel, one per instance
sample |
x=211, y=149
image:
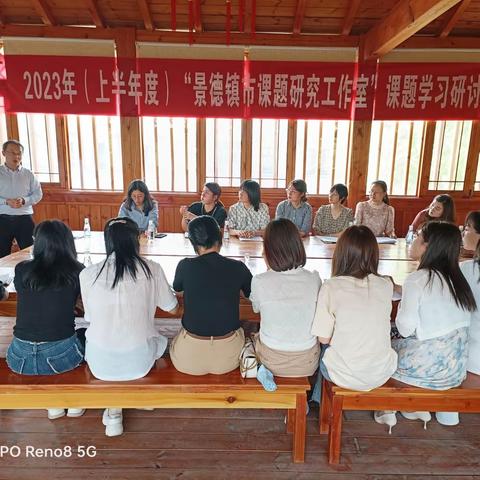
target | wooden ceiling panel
x=277, y=16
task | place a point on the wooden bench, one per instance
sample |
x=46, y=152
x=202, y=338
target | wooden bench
x=393, y=395
x=163, y=387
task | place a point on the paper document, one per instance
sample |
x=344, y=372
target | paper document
x=253, y=239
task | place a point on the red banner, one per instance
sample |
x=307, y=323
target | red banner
x=427, y=91
x=240, y=89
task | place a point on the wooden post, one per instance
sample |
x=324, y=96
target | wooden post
x=472, y=160
x=357, y=178
x=129, y=126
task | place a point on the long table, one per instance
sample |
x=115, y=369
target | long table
x=175, y=244
x=398, y=268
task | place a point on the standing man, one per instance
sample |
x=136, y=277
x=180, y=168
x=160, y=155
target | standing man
x=19, y=190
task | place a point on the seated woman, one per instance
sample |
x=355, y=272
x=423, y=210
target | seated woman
x=441, y=208
x=352, y=318
x=434, y=317
x=286, y=297
x=211, y=338
x=248, y=217
x=209, y=204
x=471, y=235
x=139, y=206
x=120, y=296
x=334, y=218
x=471, y=271
x=44, y=338
x=376, y=213
x=296, y=208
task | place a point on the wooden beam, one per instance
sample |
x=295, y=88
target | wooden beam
x=453, y=18
x=350, y=17
x=44, y=12
x=404, y=20
x=92, y=8
x=289, y=39
x=246, y=38
x=147, y=16
x=444, y=42
x=197, y=16
x=299, y=14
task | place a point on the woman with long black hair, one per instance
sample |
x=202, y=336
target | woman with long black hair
x=434, y=317
x=120, y=296
x=44, y=338
x=139, y=205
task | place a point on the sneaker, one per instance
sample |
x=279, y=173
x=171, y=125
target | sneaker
x=386, y=417
x=113, y=421
x=54, y=413
x=447, y=418
x=425, y=417
x=75, y=412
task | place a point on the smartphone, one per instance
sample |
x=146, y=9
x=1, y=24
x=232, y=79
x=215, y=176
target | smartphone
x=160, y=235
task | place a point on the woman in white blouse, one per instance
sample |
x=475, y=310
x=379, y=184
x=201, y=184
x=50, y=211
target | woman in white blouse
x=286, y=296
x=353, y=316
x=434, y=317
x=120, y=296
x=248, y=217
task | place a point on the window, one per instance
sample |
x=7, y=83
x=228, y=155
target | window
x=37, y=134
x=449, y=158
x=223, y=151
x=3, y=127
x=322, y=153
x=395, y=154
x=170, y=153
x=476, y=186
x=269, y=152
x=94, y=145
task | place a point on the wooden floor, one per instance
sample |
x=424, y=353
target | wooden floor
x=249, y=444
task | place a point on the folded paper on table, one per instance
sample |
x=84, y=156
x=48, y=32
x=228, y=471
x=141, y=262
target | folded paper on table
x=253, y=239
x=380, y=240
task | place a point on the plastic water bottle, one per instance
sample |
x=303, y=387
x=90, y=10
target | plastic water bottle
x=151, y=231
x=87, y=234
x=410, y=235
x=226, y=232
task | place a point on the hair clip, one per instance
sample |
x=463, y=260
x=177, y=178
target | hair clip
x=113, y=222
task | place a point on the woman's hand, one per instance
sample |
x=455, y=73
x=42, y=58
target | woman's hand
x=188, y=215
x=183, y=209
x=246, y=234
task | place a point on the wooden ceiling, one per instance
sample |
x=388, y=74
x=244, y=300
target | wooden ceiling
x=374, y=19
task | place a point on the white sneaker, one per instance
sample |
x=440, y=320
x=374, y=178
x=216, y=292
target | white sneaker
x=54, y=413
x=447, y=418
x=386, y=417
x=75, y=412
x=113, y=421
x=425, y=417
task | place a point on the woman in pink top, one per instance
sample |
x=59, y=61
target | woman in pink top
x=377, y=214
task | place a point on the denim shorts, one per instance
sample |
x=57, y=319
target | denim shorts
x=45, y=358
